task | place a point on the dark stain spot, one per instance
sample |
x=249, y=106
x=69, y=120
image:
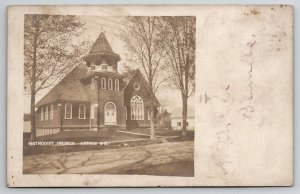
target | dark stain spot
x=252, y=12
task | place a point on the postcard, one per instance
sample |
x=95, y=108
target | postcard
x=150, y=95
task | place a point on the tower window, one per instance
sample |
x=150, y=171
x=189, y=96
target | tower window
x=88, y=64
x=104, y=66
x=110, y=84
x=103, y=83
x=117, y=84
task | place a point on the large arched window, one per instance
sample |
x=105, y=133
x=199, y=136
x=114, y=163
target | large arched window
x=46, y=113
x=117, y=84
x=68, y=111
x=82, y=111
x=103, y=83
x=110, y=84
x=137, y=108
x=42, y=114
x=51, y=111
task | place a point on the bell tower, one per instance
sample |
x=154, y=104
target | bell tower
x=101, y=57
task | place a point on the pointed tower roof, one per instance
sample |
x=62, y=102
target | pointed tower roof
x=101, y=47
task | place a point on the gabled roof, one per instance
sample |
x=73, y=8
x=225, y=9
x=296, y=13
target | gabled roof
x=69, y=88
x=131, y=73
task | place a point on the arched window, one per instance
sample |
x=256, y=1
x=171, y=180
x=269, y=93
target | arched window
x=42, y=114
x=110, y=84
x=103, y=83
x=51, y=111
x=46, y=113
x=82, y=111
x=117, y=84
x=68, y=111
x=137, y=108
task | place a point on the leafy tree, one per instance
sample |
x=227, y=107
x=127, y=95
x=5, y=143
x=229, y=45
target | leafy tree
x=180, y=48
x=50, y=52
x=144, y=43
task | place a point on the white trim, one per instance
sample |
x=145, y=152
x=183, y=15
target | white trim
x=84, y=111
x=66, y=110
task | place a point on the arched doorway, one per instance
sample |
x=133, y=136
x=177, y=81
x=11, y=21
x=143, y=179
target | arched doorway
x=110, y=114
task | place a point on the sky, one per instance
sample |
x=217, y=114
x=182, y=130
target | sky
x=112, y=26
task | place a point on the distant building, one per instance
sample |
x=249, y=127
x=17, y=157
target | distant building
x=165, y=120
x=176, y=119
x=95, y=96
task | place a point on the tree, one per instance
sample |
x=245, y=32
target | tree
x=50, y=52
x=144, y=42
x=180, y=48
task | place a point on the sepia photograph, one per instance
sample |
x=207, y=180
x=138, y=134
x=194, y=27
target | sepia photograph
x=109, y=95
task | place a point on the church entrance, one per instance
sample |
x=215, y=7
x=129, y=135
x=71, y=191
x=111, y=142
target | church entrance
x=110, y=113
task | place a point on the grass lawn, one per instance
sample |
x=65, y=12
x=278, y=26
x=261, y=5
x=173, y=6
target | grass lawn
x=78, y=136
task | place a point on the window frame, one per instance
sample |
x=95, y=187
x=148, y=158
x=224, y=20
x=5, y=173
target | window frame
x=137, y=108
x=138, y=86
x=110, y=84
x=51, y=112
x=42, y=113
x=71, y=113
x=46, y=113
x=117, y=83
x=84, y=111
x=103, y=83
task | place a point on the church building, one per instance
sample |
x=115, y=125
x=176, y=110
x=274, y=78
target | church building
x=96, y=96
